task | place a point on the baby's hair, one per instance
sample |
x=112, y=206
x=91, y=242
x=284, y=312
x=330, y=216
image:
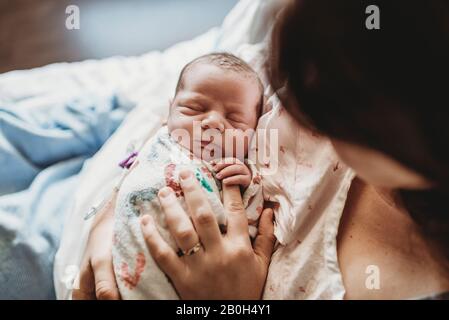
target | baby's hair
x=225, y=61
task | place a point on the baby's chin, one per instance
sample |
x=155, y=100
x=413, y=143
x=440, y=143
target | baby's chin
x=210, y=151
x=203, y=155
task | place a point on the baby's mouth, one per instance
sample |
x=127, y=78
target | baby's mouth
x=205, y=143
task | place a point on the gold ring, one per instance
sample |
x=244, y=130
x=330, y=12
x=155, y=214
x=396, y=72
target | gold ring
x=192, y=250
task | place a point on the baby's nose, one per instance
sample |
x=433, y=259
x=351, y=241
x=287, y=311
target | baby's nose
x=213, y=122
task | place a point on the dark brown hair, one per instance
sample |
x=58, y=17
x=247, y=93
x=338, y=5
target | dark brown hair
x=386, y=89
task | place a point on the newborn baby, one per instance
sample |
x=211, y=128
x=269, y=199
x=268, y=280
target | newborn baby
x=215, y=109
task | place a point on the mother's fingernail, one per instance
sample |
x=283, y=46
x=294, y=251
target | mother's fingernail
x=145, y=220
x=164, y=192
x=184, y=175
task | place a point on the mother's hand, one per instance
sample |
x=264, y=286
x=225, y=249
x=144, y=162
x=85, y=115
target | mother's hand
x=96, y=279
x=227, y=266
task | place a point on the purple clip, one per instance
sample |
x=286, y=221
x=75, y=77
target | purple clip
x=127, y=163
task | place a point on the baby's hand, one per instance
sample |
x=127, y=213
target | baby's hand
x=231, y=171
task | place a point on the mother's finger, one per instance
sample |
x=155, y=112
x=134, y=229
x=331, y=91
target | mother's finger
x=162, y=253
x=178, y=222
x=201, y=212
x=236, y=214
x=86, y=289
x=265, y=239
x=105, y=284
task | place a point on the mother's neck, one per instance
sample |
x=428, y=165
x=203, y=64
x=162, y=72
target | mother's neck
x=388, y=220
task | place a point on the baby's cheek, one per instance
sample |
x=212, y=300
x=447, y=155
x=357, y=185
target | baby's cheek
x=180, y=124
x=181, y=131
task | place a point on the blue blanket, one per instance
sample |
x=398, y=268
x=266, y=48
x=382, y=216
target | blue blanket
x=41, y=154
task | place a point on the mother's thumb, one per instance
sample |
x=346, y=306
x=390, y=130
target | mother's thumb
x=265, y=239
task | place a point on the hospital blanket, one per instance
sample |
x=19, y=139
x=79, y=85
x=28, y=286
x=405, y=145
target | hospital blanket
x=42, y=149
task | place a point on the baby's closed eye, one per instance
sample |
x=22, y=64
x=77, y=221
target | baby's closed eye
x=190, y=109
x=235, y=119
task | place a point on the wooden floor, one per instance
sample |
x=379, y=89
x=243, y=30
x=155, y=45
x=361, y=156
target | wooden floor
x=33, y=32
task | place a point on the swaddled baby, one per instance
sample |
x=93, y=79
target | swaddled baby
x=215, y=109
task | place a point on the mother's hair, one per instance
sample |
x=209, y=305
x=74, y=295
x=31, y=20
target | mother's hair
x=386, y=89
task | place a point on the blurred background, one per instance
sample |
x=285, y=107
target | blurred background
x=33, y=33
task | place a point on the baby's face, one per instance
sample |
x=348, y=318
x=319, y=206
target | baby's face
x=222, y=100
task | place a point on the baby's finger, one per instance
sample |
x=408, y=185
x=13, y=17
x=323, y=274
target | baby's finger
x=223, y=163
x=242, y=180
x=232, y=170
x=165, y=257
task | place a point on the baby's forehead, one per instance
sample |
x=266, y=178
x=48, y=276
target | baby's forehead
x=204, y=73
x=224, y=69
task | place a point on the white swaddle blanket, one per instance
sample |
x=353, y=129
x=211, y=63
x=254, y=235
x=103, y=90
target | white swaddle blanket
x=158, y=165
